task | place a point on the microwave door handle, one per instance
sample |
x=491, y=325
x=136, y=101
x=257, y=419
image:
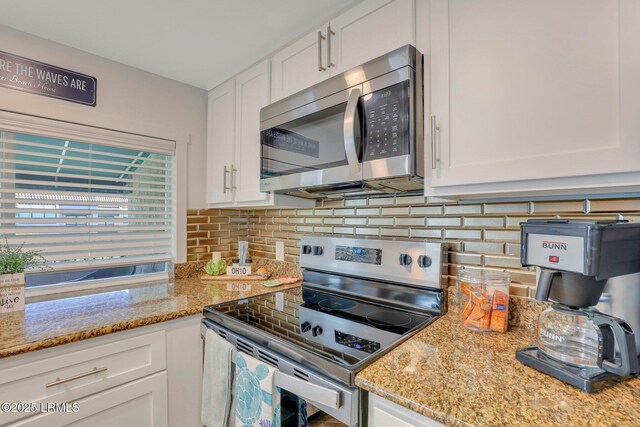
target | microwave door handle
x=350, y=123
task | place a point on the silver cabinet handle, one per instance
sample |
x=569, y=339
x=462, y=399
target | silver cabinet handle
x=311, y=392
x=224, y=180
x=329, y=34
x=233, y=177
x=320, y=38
x=59, y=381
x=434, y=130
x=350, y=124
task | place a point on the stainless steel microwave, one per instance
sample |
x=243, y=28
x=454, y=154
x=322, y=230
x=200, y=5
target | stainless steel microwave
x=360, y=132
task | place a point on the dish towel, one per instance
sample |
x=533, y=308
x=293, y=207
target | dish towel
x=256, y=398
x=216, y=380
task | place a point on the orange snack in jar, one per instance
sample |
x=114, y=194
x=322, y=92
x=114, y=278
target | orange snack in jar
x=466, y=310
x=499, y=312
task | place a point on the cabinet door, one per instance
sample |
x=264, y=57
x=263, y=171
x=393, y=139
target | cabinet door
x=135, y=404
x=220, y=142
x=252, y=93
x=299, y=65
x=534, y=89
x=370, y=29
x=384, y=413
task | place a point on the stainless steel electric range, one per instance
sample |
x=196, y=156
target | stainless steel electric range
x=359, y=298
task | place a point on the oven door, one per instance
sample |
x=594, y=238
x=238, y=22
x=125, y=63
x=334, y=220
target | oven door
x=337, y=400
x=317, y=145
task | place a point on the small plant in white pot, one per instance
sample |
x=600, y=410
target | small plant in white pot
x=13, y=263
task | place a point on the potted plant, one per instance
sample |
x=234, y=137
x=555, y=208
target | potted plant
x=13, y=263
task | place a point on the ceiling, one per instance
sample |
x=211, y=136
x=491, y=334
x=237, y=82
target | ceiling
x=198, y=42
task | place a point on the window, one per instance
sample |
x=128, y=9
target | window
x=96, y=210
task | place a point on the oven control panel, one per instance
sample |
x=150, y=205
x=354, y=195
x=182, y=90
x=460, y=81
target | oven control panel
x=416, y=263
x=356, y=342
x=386, y=123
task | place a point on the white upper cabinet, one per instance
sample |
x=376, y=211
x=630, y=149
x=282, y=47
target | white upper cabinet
x=368, y=30
x=364, y=32
x=233, y=146
x=299, y=65
x=220, y=145
x=252, y=93
x=533, y=95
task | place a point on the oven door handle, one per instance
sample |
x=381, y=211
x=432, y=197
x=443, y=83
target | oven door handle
x=350, y=123
x=312, y=393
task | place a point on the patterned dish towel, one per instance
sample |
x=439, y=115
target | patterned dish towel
x=257, y=399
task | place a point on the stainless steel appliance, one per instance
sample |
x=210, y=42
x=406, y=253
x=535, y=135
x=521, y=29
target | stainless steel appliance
x=577, y=342
x=355, y=133
x=359, y=298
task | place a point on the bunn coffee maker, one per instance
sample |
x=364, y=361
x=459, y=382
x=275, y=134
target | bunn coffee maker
x=576, y=342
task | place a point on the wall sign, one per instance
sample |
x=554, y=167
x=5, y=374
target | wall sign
x=36, y=77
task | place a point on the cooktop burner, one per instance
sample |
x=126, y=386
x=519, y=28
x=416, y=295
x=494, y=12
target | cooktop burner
x=333, y=303
x=388, y=318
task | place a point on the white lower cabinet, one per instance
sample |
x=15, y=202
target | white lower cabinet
x=150, y=376
x=136, y=404
x=384, y=413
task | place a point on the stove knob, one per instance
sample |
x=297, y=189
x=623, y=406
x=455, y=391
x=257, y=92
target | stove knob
x=305, y=327
x=424, y=261
x=306, y=249
x=317, y=250
x=317, y=330
x=405, y=259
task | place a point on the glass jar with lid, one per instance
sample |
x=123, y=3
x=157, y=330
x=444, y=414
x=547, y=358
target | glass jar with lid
x=483, y=299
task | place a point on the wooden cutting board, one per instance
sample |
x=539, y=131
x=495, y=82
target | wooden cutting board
x=229, y=278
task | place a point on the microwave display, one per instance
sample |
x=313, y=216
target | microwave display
x=386, y=124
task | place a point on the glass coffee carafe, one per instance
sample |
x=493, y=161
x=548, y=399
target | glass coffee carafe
x=569, y=336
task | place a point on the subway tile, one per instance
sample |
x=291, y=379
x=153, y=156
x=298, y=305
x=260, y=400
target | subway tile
x=466, y=259
x=558, y=207
x=410, y=222
x=355, y=221
x=343, y=212
x=197, y=219
x=426, y=233
x=506, y=208
x=288, y=212
x=313, y=220
x=395, y=211
x=440, y=201
x=525, y=277
x=355, y=202
x=462, y=234
x=322, y=229
x=304, y=229
x=410, y=200
x=323, y=212
x=519, y=290
x=625, y=205
x=380, y=221
x=343, y=230
x=332, y=221
x=381, y=201
x=462, y=209
x=368, y=212
x=304, y=212
x=515, y=221
x=443, y=222
x=484, y=247
x=367, y=231
x=295, y=220
x=486, y=221
x=398, y=232
x=501, y=235
x=502, y=261
x=332, y=203
x=426, y=210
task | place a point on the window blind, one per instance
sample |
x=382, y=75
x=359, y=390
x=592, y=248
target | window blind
x=84, y=204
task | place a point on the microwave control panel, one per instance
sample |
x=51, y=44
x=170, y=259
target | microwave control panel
x=386, y=122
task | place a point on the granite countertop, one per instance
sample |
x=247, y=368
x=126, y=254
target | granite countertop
x=460, y=377
x=47, y=322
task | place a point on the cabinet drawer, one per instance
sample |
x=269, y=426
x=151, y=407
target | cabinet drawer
x=137, y=404
x=70, y=375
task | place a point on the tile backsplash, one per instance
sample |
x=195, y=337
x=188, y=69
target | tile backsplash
x=477, y=235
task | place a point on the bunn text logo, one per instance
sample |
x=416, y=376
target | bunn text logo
x=554, y=245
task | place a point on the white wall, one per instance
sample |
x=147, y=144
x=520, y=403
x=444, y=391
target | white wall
x=128, y=99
